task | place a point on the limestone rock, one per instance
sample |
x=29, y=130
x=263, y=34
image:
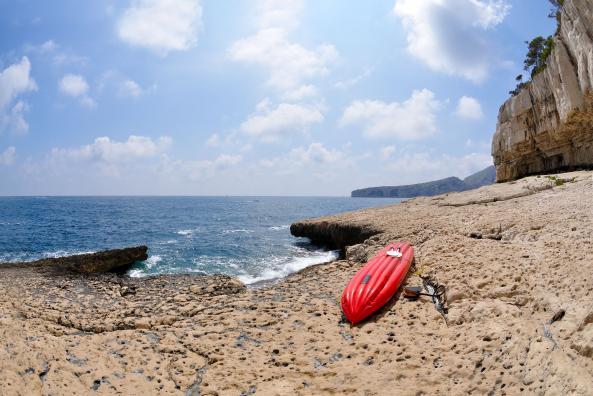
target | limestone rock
x=105, y=261
x=549, y=124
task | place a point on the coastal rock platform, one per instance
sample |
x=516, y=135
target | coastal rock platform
x=517, y=259
x=115, y=260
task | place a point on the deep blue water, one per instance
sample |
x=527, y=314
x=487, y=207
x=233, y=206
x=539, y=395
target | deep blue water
x=247, y=237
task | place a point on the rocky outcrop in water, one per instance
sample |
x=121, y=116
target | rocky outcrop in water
x=118, y=260
x=548, y=125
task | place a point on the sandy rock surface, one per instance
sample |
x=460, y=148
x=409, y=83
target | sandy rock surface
x=512, y=256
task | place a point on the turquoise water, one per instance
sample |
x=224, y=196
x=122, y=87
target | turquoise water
x=248, y=237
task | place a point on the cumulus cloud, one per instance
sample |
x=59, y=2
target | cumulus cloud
x=386, y=152
x=7, y=156
x=415, y=118
x=199, y=169
x=15, y=80
x=130, y=88
x=289, y=64
x=349, y=83
x=161, y=25
x=300, y=93
x=104, y=149
x=269, y=124
x=275, y=13
x=43, y=48
x=469, y=108
x=14, y=119
x=425, y=166
x=213, y=140
x=449, y=35
x=75, y=85
x=315, y=157
x=316, y=153
x=59, y=55
x=122, y=85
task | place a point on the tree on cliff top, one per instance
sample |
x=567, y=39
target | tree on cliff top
x=555, y=10
x=539, y=50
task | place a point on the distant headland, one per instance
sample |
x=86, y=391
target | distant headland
x=450, y=184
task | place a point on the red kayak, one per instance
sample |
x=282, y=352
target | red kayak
x=375, y=283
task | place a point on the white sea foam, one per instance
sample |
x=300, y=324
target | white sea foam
x=64, y=253
x=278, y=228
x=152, y=261
x=137, y=273
x=235, y=231
x=296, y=264
x=185, y=232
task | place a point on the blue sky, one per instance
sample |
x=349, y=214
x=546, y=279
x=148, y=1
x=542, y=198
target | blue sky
x=258, y=97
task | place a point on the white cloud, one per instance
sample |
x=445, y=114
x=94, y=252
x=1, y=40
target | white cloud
x=14, y=119
x=161, y=25
x=15, y=80
x=347, y=84
x=213, y=140
x=386, y=152
x=199, y=169
x=76, y=86
x=448, y=35
x=7, y=156
x=122, y=85
x=130, y=88
x=469, y=108
x=269, y=124
x=289, y=64
x=316, y=153
x=45, y=47
x=300, y=93
x=103, y=149
x=414, y=118
x=60, y=57
x=279, y=13
x=315, y=156
x=320, y=161
x=427, y=166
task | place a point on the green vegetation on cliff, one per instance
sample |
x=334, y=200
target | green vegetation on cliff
x=539, y=49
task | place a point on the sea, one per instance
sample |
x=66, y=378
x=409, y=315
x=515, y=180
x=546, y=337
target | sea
x=246, y=237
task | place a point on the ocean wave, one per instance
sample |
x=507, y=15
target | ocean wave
x=238, y=230
x=25, y=257
x=294, y=265
x=278, y=228
x=64, y=253
x=152, y=261
x=185, y=232
x=137, y=273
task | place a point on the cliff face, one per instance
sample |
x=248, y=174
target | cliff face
x=549, y=124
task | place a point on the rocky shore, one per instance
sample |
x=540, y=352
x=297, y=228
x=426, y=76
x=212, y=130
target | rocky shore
x=514, y=256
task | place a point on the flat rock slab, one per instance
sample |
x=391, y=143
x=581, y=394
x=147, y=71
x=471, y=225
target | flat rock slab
x=118, y=260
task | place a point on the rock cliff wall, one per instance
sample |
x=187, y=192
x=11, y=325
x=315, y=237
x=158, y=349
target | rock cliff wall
x=549, y=124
